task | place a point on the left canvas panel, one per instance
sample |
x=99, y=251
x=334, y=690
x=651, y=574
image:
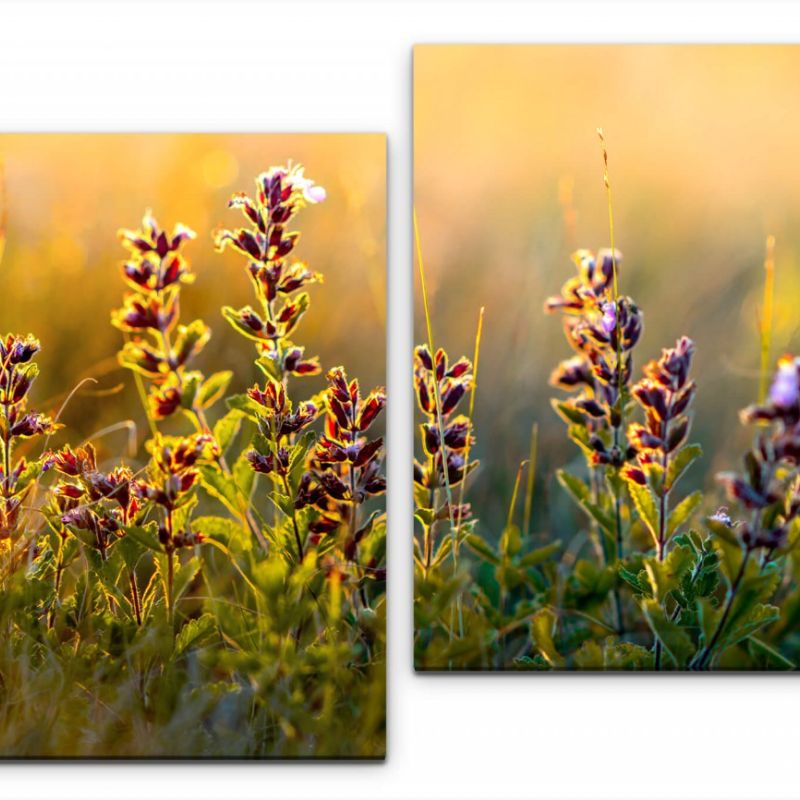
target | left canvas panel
x=192, y=526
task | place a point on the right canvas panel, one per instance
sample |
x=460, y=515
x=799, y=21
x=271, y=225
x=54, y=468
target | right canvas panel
x=607, y=385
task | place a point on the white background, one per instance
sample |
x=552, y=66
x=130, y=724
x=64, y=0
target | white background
x=346, y=66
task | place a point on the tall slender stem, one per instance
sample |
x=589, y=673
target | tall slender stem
x=702, y=659
x=663, y=511
x=619, y=410
x=137, y=608
x=170, y=574
x=297, y=539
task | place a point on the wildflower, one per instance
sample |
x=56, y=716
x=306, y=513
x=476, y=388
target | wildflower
x=609, y=320
x=17, y=374
x=161, y=347
x=100, y=503
x=785, y=389
x=278, y=282
x=451, y=381
x=768, y=484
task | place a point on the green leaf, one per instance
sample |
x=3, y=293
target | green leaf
x=213, y=388
x=480, y=546
x=543, y=625
x=581, y=494
x=510, y=541
x=681, y=461
x=639, y=582
x=683, y=511
x=760, y=616
x=244, y=476
x=770, y=654
x=194, y=632
x=708, y=614
x=676, y=641
x=589, y=656
x=227, y=427
x=569, y=414
x=184, y=575
x=145, y=536
x=298, y=457
x=540, y=554
x=220, y=487
x=722, y=531
x=234, y=318
x=666, y=576
x=228, y=531
x=425, y=516
x=645, y=505
x=241, y=402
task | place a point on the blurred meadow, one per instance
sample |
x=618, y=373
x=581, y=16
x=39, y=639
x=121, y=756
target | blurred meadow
x=704, y=160
x=66, y=196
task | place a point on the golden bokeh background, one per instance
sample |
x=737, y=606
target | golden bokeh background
x=704, y=150
x=66, y=196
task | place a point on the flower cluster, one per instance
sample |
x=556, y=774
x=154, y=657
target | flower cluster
x=770, y=486
x=345, y=464
x=161, y=348
x=172, y=475
x=277, y=279
x=17, y=373
x=92, y=501
x=602, y=330
x=665, y=394
x=449, y=383
x=277, y=420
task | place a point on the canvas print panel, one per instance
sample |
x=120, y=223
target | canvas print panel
x=606, y=377
x=191, y=489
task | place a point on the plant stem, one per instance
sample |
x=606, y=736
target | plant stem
x=170, y=575
x=702, y=659
x=137, y=609
x=247, y=515
x=297, y=539
x=353, y=530
x=662, y=513
x=56, y=586
x=170, y=582
x=427, y=544
x=436, y=394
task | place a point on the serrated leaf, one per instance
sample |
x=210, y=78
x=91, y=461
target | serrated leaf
x=666, y=576
x=676, y=641
x=645, y=505
x=639, y=582
x=145, y=535
x=683, y=511
x=228, y=531
x=194, y=632
x=184, y=575
x=681, y=461
x=582, y=495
